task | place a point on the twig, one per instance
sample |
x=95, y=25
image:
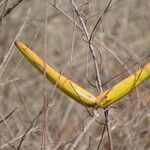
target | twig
x=7, y=126
x=125, y=70
x=17, y=138
x=28, y=130
x=1, y=19
x=45, y=99
x=12, y=146
x=88, y=38
x=66, y=142
x=108, y=130
x=101, y=138
x=98, y=23
x=10, y=9
x=73, y=36
x=21, y=99
x=67, y=113
x=10, y=51
x=74, y=145
x=19, y=63
x=7, y=81
x=6, y=117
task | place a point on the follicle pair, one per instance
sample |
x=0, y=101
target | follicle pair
x=79, y=94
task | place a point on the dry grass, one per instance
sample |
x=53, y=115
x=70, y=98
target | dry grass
x=123, y=39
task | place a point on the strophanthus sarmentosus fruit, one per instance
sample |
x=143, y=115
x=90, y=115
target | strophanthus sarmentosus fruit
x=78, y=93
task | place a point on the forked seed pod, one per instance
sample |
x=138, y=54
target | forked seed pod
x=79, y=94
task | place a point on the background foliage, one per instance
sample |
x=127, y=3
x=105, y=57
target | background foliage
x=123, y=39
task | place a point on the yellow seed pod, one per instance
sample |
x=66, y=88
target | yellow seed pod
x=123, y=87
x=79, y=94
x=67, y=86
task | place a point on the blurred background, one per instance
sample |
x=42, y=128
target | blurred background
x=122, y=42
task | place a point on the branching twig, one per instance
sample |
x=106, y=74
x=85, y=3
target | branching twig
x=28, y=130
x=88, y=38
x=45, y=98
x=9, y=52
x=74, y=145
x=17, y=138
x=8, y=143
x=10, y=9
x=1, y=19
x=6, y=117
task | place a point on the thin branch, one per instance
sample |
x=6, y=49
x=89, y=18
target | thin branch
x=10, y=9
x=101, y=138
x=88, y=38
x=125, y=70
x=12, y=146
x=74, y=145
x=45, y=98
x=7, y=126
x=28, y=130
x=17, y=138
x=9, y=52
x=5, y=5
x=108, y=130
x=7, y=116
